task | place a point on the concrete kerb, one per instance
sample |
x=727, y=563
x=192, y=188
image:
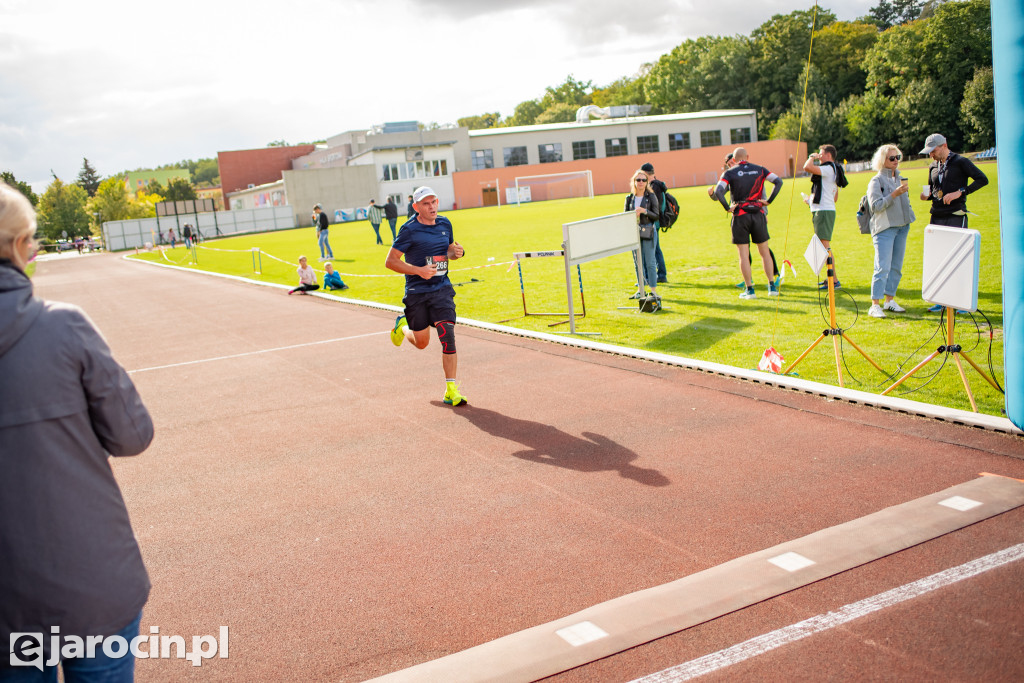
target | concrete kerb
x=902, y=405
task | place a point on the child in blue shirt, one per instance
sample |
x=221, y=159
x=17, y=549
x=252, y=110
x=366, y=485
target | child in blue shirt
x=331, y=278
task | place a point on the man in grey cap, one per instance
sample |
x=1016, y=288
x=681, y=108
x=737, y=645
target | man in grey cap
x=947, y=186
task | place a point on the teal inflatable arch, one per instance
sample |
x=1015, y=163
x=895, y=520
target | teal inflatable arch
x=1008, y=76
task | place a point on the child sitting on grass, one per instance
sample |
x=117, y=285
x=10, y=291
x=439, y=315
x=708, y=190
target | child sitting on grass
x=307, y=278
x=331, y=278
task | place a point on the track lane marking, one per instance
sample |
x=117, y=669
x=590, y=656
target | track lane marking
x=823, y=622
x=255, y=353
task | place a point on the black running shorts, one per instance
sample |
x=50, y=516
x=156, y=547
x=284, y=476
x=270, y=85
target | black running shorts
x=749, y=227
x=426, y=309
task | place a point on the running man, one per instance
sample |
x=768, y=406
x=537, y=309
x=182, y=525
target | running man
x=427, y=243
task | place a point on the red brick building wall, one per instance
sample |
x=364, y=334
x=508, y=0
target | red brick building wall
x=240, y=168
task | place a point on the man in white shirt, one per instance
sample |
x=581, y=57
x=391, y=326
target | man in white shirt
x=824, y=192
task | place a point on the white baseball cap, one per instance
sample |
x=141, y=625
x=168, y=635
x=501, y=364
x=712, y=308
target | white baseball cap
x=934, y=140
x=422, y=193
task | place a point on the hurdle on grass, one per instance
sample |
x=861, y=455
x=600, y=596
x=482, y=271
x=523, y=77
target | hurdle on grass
x=597, y=238
x=522, y=287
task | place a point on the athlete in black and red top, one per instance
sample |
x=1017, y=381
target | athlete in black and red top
x=745, y=183
x=728, y=163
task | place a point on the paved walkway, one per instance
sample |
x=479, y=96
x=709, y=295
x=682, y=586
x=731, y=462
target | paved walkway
x=308, y=488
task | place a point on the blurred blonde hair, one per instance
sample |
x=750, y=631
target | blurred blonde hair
x=16, y=218
x=881, y=153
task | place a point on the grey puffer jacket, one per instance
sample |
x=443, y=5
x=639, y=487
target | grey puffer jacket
x=887, y=211
x=68, y=556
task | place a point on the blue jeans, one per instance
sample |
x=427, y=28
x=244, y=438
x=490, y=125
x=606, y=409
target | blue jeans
x=394, y=235
x=324, y=245
x=98, y=669
x=662, y=271
x=376, y=231
x=649, y=265
x=890, y=246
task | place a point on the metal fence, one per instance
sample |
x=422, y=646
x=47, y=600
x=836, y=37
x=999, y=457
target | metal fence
x=119, y=235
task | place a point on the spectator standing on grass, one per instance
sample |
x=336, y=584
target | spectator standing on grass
x=307, y=277
x=826, y=178
x=948, y=186
x=745, y=184
x=659, y=189
x=644, y=204
x=171, y=238
x=409, y=210
x=427, y=243
x=391, y=213
x=376, y=215
x=187, y=232
x=68, y=557
x=891, y=216
x=322, y=225
x=728, y=163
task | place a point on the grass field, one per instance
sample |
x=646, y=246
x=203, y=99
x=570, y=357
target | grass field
x=703, y=317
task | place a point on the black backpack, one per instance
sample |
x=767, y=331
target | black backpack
x=669, y=211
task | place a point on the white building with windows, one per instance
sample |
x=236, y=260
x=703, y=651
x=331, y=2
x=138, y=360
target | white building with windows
x=633, y=135
x=466, y=168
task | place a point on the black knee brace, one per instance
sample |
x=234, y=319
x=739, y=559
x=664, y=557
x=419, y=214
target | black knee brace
x=446, y=335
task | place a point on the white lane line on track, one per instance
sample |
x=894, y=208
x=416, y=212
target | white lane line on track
x=783, y=636
x=254, y=353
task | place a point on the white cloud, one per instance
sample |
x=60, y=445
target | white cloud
x=136, y=85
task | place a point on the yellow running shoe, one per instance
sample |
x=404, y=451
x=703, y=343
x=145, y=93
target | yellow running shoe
x=452, y=396
x=397, y=335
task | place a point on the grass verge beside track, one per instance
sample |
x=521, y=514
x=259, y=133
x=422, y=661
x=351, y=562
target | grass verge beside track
x=703, y=317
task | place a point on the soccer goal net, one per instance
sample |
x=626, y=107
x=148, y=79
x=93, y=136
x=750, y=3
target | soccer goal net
x=539, y=188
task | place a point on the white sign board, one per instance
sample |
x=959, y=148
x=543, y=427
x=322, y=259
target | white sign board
x=952, y=257
x=597, y=238
x=524, y=195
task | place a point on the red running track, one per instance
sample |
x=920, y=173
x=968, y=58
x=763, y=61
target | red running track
x=321, y=501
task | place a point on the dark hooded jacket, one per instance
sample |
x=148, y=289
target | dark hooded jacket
x=68, y=556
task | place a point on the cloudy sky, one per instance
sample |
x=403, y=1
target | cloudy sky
x=140, y=84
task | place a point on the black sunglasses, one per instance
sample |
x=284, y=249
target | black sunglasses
x=896, y=158
x=641, y=180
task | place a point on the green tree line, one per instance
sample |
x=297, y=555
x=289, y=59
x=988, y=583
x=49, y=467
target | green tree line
x=79, y=209
x=907, y=69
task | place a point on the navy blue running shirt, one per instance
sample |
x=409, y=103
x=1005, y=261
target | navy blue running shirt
x=423, y=244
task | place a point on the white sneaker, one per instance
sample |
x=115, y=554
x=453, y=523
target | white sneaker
x=748, y=294
x=876, y=311
x=891, y=305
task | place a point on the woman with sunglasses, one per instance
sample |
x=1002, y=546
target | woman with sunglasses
x=643, y=202
x=891, y=216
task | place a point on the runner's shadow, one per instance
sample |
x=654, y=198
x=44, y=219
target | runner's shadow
x=551, y=446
